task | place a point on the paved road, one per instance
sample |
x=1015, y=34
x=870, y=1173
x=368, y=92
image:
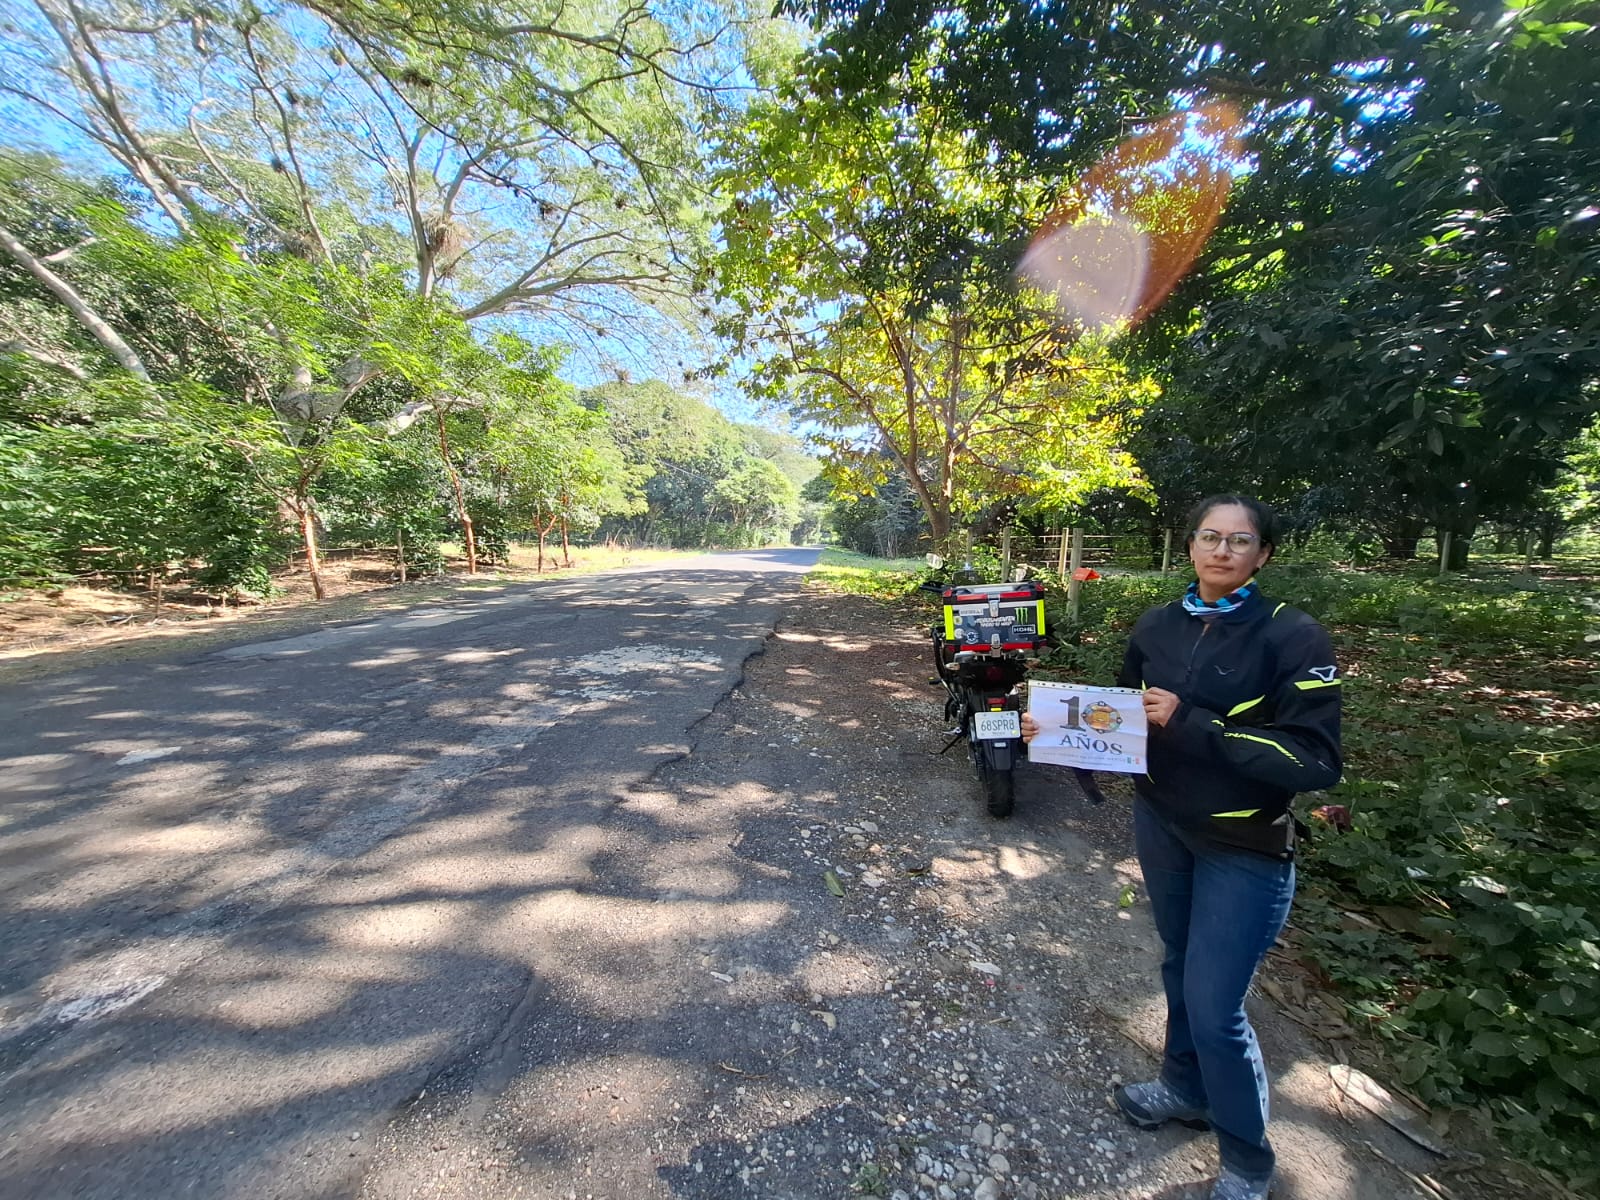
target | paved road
x=254, y=901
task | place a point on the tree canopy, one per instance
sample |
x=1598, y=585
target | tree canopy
x=1394, y=324
x=867, y=272
x=335, y=244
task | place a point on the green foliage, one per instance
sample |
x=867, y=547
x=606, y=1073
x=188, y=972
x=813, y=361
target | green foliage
x=867, y=270
x=1090, y=649
x=754, y=498
x=350, y=192
x=393, y=497
x=119, y=498
x=1392, y=329
x=1419, y=365
x=705, y=479
x=867, y=575
x=1474, y=761
x=887, y=522
x=31, y=551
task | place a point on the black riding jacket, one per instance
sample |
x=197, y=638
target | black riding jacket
x=1258, y=722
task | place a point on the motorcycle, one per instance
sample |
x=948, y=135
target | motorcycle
x=980, y=652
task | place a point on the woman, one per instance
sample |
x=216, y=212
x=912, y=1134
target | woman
x=1241, y=695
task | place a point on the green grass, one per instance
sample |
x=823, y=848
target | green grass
x=864, y=575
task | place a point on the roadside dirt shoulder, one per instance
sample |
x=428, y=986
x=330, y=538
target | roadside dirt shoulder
x=47, y=631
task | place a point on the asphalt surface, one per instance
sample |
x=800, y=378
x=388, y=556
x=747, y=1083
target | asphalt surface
x=256, y=901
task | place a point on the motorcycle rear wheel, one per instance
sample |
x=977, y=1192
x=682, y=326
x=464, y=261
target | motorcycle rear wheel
x=999, y=788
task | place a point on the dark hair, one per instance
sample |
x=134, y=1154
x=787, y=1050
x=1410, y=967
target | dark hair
x=1262, y=517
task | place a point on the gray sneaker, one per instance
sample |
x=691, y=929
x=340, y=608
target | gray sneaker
x=1236, y=1187
x=1151, y=1105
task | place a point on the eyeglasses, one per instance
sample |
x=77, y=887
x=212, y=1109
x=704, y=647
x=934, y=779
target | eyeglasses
x=1210, y=539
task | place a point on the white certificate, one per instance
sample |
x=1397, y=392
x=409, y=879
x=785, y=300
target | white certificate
x=1096, y=728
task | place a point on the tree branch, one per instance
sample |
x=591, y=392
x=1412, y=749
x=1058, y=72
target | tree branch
x=98, y=327
x=39, y=356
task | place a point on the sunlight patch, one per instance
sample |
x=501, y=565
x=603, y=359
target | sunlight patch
x=106, y=998
x=626, y=660
x=601, y=693
x=139, y=756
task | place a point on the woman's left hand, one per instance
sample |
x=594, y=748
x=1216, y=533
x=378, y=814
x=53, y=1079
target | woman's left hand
x=1160, y=706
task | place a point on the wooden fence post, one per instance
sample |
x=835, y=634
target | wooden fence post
x=1074, y=584
x=1166, y=552
x=1061, y=556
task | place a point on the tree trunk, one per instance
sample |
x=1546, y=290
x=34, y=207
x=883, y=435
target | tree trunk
x=544, y=533
x=1400, y=535
x=469, y=544
x=1460, y=547
x=1549, y=531
x=400, y=552
x=308, y=535
x=566, y=547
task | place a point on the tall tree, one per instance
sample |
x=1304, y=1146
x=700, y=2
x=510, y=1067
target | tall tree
x=687, y=454
x=1425, y=364
x=543, y=166
x=1399, y=307
x=868, y=260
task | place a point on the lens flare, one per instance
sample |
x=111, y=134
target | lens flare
x=1110, y=253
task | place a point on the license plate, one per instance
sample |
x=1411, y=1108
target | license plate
x=987, y=726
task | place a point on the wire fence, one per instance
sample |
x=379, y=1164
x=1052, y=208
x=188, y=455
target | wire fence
x=1073, y=549
x=1077, y=555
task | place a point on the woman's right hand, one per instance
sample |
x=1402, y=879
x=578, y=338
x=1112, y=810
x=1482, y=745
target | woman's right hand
x=1160, y=706
x=1030, y=727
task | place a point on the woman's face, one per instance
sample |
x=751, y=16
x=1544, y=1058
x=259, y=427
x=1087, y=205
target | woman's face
x=1222, y=569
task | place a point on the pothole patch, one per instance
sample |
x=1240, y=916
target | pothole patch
x=630, y=660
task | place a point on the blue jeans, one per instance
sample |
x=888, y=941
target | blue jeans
x=1218, y=912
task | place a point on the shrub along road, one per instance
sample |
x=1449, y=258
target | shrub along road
x=453, y=917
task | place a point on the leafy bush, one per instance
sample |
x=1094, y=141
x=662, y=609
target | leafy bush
x=1090, y=648
x=128, y=502
x=31, y=552
x=1476, y=813
x=392, y=494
